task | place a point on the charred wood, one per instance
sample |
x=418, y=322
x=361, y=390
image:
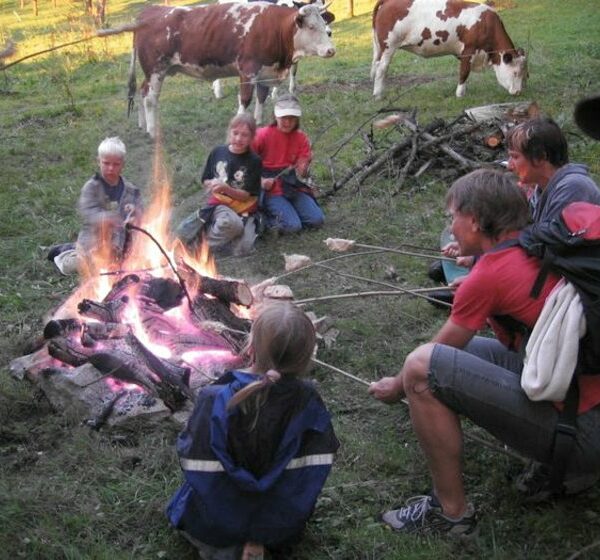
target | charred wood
x=229, y=291
x=165, y=292
x=107, y=312
x=177, y=378
x=208, y=309
x=106, y=331
x=125, y=367
x=96, y=422
x=119, y=288
x=62, y=327
x=67, y=350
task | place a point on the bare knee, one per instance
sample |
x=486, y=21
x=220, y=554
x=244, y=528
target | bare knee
x=416, y=369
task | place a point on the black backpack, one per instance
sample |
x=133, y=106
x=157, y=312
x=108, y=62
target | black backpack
x=570, y=247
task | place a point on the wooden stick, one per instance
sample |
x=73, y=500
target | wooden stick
x=318, y=263
x=344, y=373
x=386, y=284
x=409, y=161
x=409, y=253
x=398, y=292
x=462, y=161
x=467, y=435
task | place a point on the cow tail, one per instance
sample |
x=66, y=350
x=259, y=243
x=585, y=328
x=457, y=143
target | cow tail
x=375, y=10
x=131, y=84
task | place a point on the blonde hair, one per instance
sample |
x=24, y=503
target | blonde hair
x=112, y=146
x=282, y=341
x=243, y=119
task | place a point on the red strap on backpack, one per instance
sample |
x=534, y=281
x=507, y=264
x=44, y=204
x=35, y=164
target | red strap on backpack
x=583, y=220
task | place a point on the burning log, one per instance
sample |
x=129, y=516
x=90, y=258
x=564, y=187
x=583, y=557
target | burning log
x=107, y=312
x=119, y=288
x=176, y=377
x=104, y=331
x=166, y=293
x=227, y=290
x=68, y=351
x=61, y=327
x=209, y=309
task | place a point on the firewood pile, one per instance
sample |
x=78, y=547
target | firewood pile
x=143, y=350
x=401, y=149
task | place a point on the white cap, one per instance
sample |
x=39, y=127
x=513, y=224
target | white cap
x=287, y=105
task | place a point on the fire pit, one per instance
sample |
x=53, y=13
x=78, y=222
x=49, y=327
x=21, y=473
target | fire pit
x=139, y=337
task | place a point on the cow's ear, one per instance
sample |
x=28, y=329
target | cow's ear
x=507, y=58
x=328, y=17
x=299, y=20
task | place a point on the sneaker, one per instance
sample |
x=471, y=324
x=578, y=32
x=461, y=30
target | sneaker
x=56, y=250
x=534, y=482
x=423, y=515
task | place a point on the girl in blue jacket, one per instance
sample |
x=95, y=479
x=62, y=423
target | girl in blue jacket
x=258, y=446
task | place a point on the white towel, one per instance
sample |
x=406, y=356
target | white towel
x=551, y=353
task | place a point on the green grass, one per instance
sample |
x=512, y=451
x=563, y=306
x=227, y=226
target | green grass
x=66, y=492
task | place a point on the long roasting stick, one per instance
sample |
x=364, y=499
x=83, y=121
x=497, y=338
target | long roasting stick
x=467, y=435
x=419, y=292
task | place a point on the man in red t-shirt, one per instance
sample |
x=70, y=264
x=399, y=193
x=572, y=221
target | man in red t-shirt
x=458, y=373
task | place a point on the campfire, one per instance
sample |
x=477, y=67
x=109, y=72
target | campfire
x=138, y=338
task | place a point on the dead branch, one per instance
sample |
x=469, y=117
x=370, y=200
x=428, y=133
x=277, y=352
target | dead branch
x=409, y=161
x=362, y=170
x=462, y=161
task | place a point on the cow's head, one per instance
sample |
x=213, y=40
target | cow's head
x=512, y=72
x=311, y=36
x=328, y=17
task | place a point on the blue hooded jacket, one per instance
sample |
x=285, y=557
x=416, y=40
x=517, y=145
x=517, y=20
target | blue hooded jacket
x=222, y=503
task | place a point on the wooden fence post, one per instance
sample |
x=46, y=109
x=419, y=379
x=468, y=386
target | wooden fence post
x=351, y=8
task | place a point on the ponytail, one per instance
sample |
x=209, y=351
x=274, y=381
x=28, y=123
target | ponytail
x=264, y=382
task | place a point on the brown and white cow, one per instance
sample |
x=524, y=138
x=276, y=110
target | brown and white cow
x=327, y=16
x=258, y=41
x=472, y=32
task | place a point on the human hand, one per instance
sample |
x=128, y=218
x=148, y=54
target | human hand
x=457, y=281
x=302, y=168
x=388, y=390
x=467, y=262
x=452, y=249
x=267, y=184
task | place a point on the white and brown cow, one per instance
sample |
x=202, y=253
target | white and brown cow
x=472, y=32
x=256, y=42
x=327, y=16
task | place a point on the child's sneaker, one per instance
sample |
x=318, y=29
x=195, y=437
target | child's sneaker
x=423, y=515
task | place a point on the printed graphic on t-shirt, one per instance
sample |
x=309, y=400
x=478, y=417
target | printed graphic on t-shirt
x=239, y=176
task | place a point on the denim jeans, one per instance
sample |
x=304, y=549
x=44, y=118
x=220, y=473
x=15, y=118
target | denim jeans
x=291, y=213
x=483, y=383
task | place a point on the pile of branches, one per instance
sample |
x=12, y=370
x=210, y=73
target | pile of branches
x=474, y=139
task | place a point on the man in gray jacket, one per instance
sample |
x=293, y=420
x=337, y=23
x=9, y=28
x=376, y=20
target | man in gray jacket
x=538, y=155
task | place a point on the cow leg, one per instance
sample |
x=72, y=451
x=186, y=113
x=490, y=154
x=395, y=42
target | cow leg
x=376, y=55
x=381, y=71
x=245, y=95
x=262, y=92
x=463, y=74
x=151, y=102
x=142, y=105
x=218, y=89
x=293, y=72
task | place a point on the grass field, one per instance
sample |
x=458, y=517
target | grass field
x=69, y=493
